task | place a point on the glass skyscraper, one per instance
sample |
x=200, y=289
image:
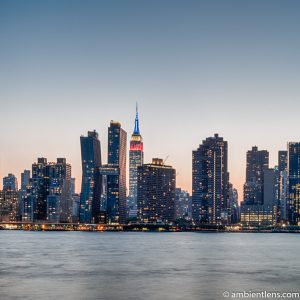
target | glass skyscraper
x=136, y=159
x=116, y=179
x=91, y=185
x=210, y=182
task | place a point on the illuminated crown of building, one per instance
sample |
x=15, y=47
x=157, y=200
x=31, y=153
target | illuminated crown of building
x=136, y=136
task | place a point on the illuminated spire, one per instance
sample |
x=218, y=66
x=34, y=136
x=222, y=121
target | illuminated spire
x=136, y=124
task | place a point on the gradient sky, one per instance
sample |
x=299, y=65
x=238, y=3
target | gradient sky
x=195, y=68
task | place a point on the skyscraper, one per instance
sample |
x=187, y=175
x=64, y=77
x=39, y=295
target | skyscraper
x=261, y=197
x=257, y=162
x=91, y=184
x=136, y=159
x=9, y=200
x=39, y=189
x=282, y=160
x=183, y=204
x=283, y=183
x=293, y=205
x=59, y=199
x=210, y=181
x=116, y=182
x=25, y=181
x=264, y=213
x=156, y=192
x=233, y=205
x=10, y=182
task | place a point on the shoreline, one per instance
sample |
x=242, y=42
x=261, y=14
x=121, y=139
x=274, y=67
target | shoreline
x=143, y=228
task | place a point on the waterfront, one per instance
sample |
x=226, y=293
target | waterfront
x=136, y=265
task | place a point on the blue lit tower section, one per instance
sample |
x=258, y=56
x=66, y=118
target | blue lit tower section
x=91, y=185
x=136, y=159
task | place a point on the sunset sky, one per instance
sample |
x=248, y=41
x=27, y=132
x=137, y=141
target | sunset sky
x=195, y=67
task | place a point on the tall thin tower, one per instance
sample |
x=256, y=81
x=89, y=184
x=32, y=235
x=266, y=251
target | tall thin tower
x=116, y=181
x=91, y=186
x=136, y=159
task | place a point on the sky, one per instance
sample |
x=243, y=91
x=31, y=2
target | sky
x=195, y=68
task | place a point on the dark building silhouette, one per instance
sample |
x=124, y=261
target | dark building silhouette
x=136, y=159
x=91, y=185
x=210, y=182
x=257, y=161
x=156, y=192
x=116, y=178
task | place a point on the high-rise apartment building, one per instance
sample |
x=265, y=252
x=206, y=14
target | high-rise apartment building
x=156, y=193
x=293, y=202
x=210, y=181
x=39, y=189
x=9, y=203
x=257, y=162
x=59, y=198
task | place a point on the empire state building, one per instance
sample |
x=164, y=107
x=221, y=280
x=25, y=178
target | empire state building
x=136, y=159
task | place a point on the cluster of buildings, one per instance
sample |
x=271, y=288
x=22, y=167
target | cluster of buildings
x=47, y=192
x=271, y=195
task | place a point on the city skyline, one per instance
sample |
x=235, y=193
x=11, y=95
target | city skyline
x=187, y=186
x=196, y=69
